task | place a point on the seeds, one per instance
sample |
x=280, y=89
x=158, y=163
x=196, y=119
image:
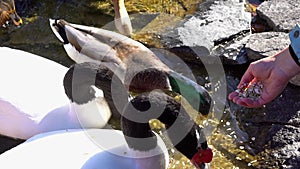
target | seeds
x=252, y=90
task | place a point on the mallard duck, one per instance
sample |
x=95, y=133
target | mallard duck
x=136, y=147
x=122, y=20
x=33, y=99
x=8, y=12
x=137, y=66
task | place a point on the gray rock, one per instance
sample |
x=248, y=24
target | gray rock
x=284, y=146
x=280, y=15
x=265, y=44
x=222, y=20
x=272, y=130
x=220, y=26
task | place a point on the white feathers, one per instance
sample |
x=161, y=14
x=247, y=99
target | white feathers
x=33, y=100
x=83, y=149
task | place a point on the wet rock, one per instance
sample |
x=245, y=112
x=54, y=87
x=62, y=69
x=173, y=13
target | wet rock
x=273, y=130
x=222, y=20
x=265, y=44
x=284, y=145
x=35, y=35
x=233, y=52
x=37, y=32
x=280, y=15
x=214, y=27
x=38, y=38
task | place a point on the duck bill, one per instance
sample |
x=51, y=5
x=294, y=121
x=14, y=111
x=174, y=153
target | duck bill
x=16, y=19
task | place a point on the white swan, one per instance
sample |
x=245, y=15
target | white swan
x=33, y=99
x=82, y=149
x=136, y=148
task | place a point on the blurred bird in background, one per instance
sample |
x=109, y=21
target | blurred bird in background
x=8, y=13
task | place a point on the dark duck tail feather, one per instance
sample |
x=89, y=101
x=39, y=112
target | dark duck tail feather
x=59, y=30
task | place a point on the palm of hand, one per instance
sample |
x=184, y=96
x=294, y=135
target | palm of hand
x=273, y=79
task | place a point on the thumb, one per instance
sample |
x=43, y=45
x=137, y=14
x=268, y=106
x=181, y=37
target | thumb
x=247, y=78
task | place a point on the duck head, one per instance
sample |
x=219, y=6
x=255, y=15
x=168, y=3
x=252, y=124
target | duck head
x=184, y=133
x=8, y=12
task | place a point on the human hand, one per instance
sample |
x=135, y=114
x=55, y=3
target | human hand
x=273, y=72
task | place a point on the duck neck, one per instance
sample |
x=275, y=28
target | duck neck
x=187, y=137
x=195, y=94
x=146, y=146
x=107, y=80
x=80, y=79
x=78, y=83
x=136, y=129
x=184, y=133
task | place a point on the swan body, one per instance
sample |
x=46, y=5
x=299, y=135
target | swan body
x=145, y=149
x=82, y=149
x=33, y=100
